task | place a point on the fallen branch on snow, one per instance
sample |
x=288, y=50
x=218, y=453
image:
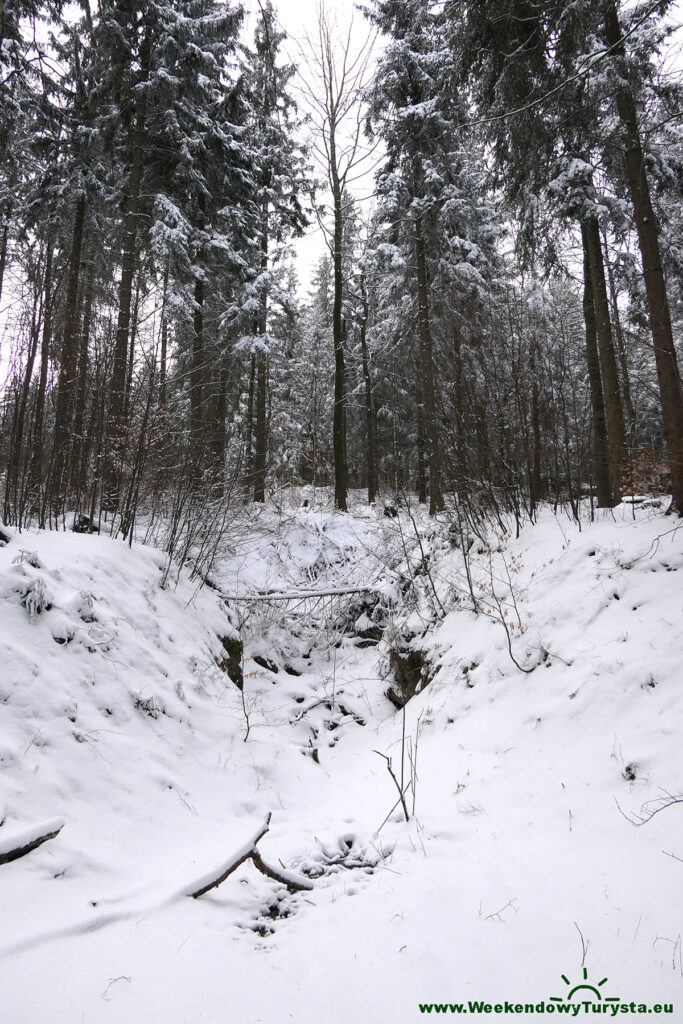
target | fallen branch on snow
x=248, y=852
x=21, y=843
x=292, y=882
x=296, y=595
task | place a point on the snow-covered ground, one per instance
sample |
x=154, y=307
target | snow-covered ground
x=518, y=866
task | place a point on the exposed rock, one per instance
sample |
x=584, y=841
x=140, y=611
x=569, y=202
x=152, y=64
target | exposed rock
x=411, y=671
x=231, y=663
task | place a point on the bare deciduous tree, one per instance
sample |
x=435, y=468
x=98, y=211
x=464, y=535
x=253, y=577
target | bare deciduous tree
x=341, y=72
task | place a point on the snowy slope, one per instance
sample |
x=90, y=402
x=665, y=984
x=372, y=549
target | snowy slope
x=116, y=719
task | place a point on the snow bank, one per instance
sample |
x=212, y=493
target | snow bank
x=521, y=865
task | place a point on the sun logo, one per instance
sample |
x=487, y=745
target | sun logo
x=583, y=987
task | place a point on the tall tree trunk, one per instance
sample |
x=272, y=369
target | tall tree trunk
x=420, y=438
x=436, y=503
x=370, y=438
x=601, y=462
x=3, y=242
x=13, y=505
x=218, y=437
x=621, y=349
x=459, y=400
x=37, y=446
x=78, y=460
x=339, y=415
x=68, y=370
x=164, y=345
x=608, y=363
x=481, y=429
x=261, y=431
x=249, y=468
x=116, y=427
x=668, y=374
x=197, y=370
x=536, y=483
x=131, y=352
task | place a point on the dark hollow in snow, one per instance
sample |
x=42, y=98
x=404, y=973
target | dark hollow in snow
x=266, y=663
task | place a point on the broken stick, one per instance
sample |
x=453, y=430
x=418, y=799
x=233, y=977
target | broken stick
x=248, y=852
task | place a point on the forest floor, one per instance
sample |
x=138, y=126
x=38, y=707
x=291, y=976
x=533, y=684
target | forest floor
x=553, y=715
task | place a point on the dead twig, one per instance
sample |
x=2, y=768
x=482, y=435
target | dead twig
x=401, y=793
x=584, y=944
x=496, y=914
x=650, y=809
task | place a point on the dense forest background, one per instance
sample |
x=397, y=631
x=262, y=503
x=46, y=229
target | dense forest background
x=497, y=328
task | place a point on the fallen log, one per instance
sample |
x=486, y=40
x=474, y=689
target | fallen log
x=18, y=845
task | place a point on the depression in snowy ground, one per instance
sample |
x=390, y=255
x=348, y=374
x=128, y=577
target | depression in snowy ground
x=437, y=789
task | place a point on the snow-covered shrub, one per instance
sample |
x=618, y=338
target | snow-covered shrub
x=34, y=597
x=86, y=608
x=28, y=558
x=151, y=706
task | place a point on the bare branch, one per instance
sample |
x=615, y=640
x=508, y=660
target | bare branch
x=296, y=884
x=650, y=808
x=401, y=792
